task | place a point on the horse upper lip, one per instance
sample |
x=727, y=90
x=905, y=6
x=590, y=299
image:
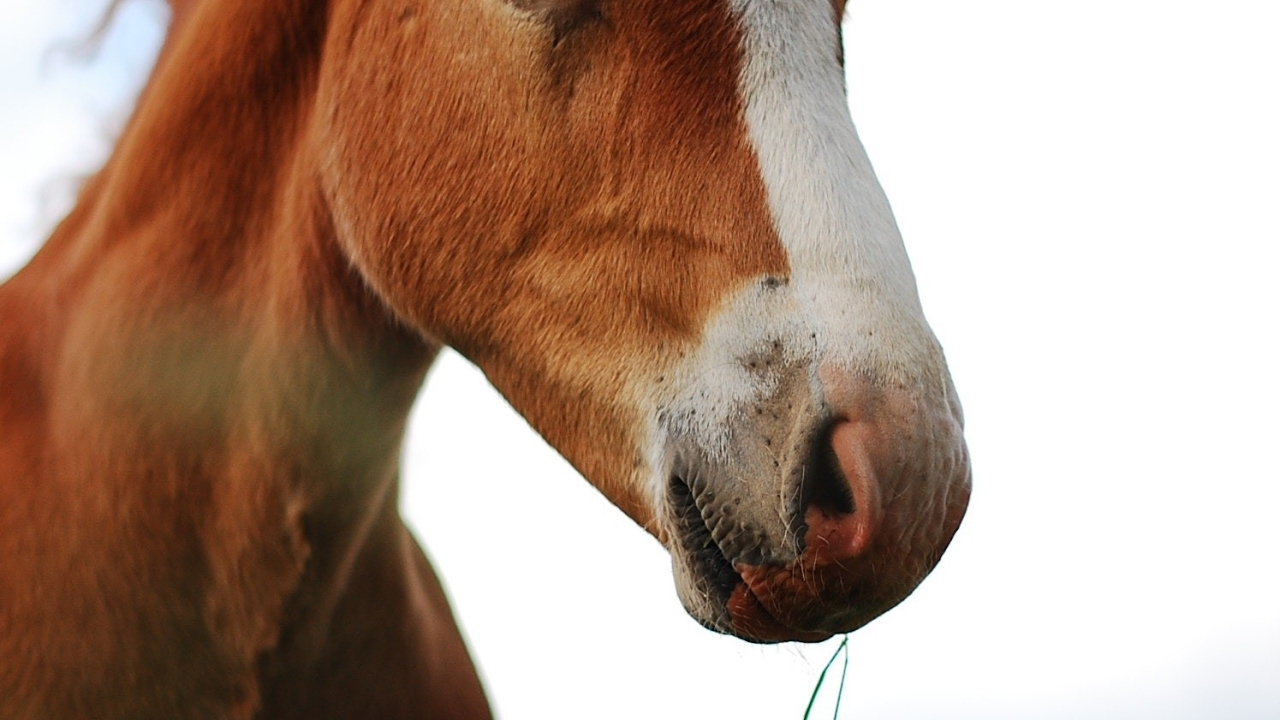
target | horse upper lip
x=738, y=609
x=694, y=534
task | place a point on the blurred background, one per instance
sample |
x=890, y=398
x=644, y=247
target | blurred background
x=1090, y=194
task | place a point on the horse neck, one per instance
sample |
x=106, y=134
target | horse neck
x=201, y=273
x=191, y=363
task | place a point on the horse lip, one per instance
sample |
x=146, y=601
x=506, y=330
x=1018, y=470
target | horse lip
x=735, y=588
x=694, y=537
x=750, y=619
x=735, y=608
x=740, y=611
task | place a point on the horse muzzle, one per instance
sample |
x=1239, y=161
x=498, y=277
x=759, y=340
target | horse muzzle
x=826, y=509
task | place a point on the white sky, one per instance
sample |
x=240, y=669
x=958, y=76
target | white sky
x=1090, y=193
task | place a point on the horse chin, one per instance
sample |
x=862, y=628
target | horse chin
x=750, y=619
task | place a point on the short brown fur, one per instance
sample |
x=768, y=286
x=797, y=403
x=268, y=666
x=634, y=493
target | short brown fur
x=207, y=369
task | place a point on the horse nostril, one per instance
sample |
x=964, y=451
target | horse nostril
x=843, y=506
x=825, y=486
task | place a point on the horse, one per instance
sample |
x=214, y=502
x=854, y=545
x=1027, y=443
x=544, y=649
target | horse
x=650, y=223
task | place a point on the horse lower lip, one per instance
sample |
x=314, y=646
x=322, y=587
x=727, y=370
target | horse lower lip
x=751, y=620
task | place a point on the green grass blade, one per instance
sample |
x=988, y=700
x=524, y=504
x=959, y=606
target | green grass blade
x=843, y=674
x=843, y=647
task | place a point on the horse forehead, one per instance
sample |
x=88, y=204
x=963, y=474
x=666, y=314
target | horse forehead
x=731, y=130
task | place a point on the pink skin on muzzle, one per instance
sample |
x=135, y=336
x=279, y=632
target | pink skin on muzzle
x=907, y=474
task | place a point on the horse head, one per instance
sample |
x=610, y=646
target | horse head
x=654, y=228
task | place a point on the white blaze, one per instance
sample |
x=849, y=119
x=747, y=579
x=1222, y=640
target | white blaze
x=850, y=300
x=849, y=268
